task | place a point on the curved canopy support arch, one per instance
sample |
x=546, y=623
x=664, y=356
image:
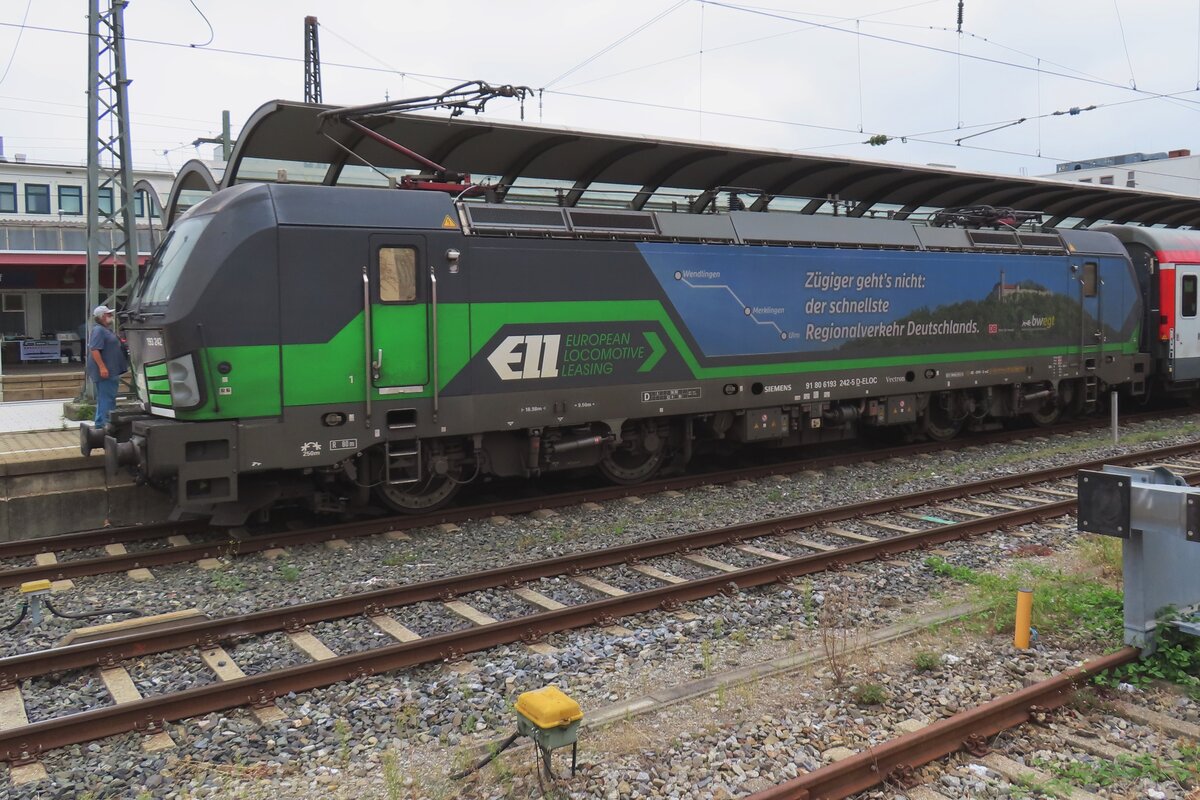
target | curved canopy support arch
x=193, y=176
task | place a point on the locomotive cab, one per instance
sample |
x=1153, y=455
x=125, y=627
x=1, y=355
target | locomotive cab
x=272, y=347
x=200, y=327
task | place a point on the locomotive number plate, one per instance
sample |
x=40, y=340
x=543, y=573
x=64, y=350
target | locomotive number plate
x=343, y=444
x=662, y=395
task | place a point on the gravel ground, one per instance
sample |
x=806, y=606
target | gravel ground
x=164, y=673
x=69, y=693
x=265, y=653
x=566, y=591
x=429, y=619
x=350, y=635
x=429, y=714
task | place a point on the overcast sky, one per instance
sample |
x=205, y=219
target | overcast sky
x=806, y=76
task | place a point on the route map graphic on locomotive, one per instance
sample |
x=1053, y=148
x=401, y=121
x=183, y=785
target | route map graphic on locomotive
x=822, y=303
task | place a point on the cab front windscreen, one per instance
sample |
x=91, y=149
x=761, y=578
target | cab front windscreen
x=167, y=264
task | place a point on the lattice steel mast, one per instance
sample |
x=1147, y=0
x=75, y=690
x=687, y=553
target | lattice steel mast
x=312, y=61
x=112, y=236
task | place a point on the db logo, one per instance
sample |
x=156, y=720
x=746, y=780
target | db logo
x=993, y=327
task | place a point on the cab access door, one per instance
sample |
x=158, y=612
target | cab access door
x=399, y=334
x=1185, y=348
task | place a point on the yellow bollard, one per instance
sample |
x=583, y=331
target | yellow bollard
x=1024, y=619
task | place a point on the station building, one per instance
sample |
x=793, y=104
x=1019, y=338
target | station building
x=1175, y=171
x=43, y=265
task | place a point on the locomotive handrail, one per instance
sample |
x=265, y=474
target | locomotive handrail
x=367, y=368
x=433, y=338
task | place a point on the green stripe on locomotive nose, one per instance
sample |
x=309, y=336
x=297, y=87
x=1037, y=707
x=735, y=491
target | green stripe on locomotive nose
x=158, y=385
x=156, y=371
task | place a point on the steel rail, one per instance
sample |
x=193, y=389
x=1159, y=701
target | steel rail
x=130, y=533
x=150, y=714
x=97, y=538
x=209, y=633
x=897, y=758
x=65, y=570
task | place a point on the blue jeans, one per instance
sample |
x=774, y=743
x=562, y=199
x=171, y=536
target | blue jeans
x=106, y=398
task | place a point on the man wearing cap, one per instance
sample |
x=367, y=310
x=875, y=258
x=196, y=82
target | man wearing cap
x=106, y=362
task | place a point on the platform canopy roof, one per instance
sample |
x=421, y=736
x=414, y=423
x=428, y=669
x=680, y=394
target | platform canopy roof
x=290, y=136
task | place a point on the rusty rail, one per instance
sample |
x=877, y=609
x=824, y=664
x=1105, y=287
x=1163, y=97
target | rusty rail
x=150, y=714
x=897, y=758
x=234, y=547
x=117, y=534
x=225, y=545
x=208, y=633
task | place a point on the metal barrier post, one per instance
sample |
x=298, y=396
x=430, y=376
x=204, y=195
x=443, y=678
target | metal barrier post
x=1115, y=430
x=1157, y=515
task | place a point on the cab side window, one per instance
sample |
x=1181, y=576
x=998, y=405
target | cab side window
x=1089, y=279
x=397, y=274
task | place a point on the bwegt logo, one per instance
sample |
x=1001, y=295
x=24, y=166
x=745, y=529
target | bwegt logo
x=524, y=357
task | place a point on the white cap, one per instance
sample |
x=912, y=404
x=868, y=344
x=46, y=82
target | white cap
x=100, y=311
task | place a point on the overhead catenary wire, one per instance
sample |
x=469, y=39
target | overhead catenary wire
x=927, y=47
x=756, y=40
x=17, y=43
x=618, y=42
x=809, y=25
x=235, y=52
x=402, y=73
x=211, y=33
x=1125, y=44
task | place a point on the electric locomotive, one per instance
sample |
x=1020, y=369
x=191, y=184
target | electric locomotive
x=321, y=344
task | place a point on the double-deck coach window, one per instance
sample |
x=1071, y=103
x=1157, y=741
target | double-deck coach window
x=1187, y=300
x=397, y=274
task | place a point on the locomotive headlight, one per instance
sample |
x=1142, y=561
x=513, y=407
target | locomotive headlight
x=181, y=372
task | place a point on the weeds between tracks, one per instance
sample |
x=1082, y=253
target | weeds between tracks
x=1086, y=603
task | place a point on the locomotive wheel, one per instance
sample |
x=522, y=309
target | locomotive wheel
x=418, y=498
x=1046, y=415
x=627, y=465
x=939, y=427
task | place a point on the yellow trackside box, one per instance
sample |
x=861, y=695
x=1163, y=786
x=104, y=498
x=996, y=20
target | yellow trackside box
x=548, y=707
x=548, y=717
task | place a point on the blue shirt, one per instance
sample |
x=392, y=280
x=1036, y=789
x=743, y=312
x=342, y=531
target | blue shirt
x=104, y=340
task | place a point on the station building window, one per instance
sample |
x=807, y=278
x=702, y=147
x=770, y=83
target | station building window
x=37, y=198
x=1106, y=180
x=104, y=200
x=70, y=200
x=12, y=314
x=8, y=198
x=139, y=204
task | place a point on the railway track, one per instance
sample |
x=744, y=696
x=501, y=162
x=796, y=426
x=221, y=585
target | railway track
x=895, y=763
x=193, y=541
x=769, y=551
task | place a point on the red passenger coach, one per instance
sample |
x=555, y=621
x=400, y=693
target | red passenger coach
x=1168, y=266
